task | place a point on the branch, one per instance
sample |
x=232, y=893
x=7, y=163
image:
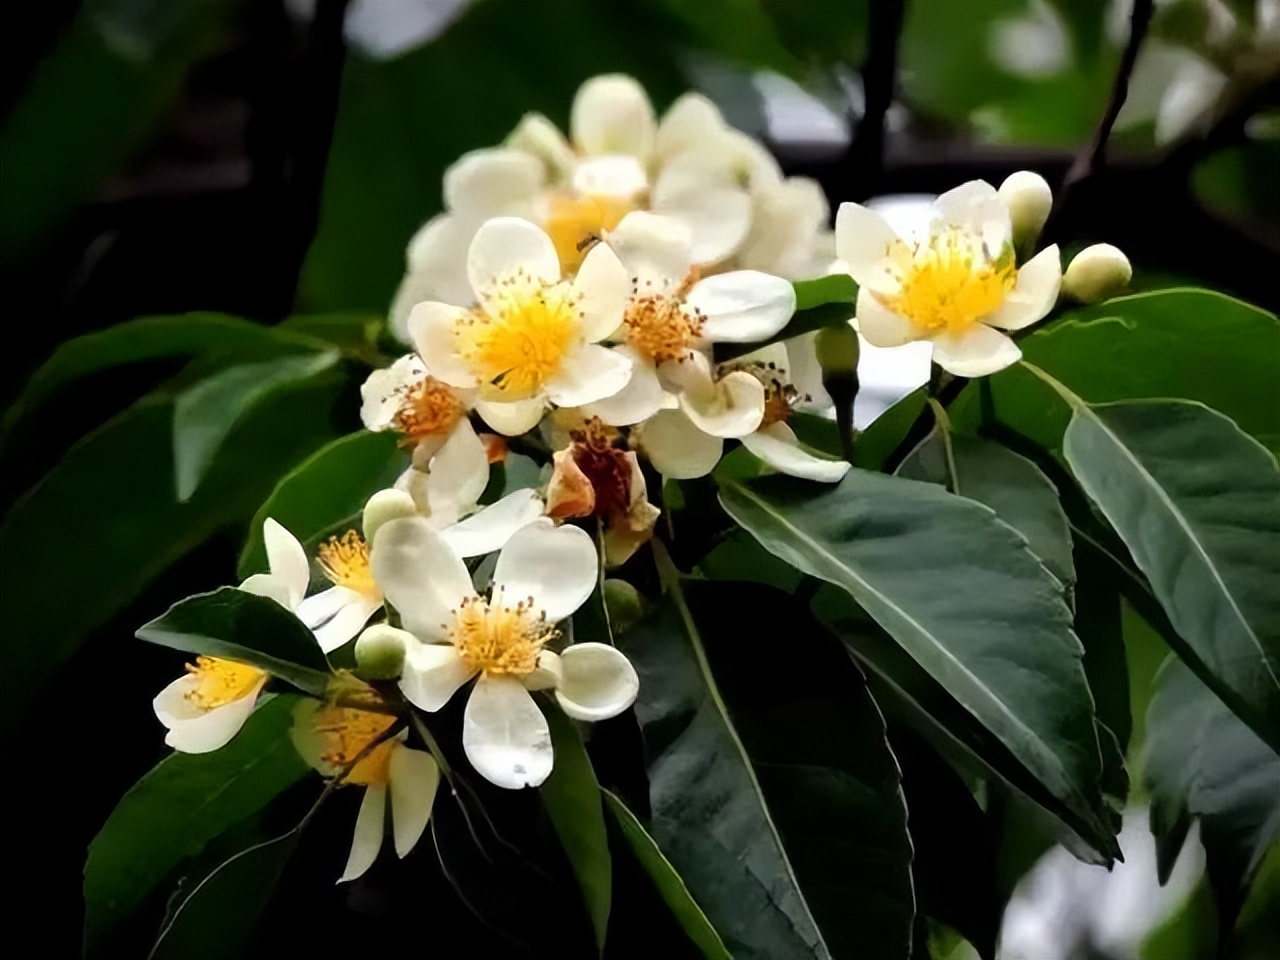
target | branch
x=864, y=160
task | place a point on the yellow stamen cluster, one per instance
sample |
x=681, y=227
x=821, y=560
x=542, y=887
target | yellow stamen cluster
x=661, y=326
x=500, y=640
x=576, y=223
x=345, y=561
x=347, y=732
x=947, y=288
x=220, y=682
x=427, y=408
x=518, y=339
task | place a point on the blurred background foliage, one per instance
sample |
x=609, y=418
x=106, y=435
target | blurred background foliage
x=225, y=167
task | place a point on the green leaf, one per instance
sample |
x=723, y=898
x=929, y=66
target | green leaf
x=177, y=808
x=237, y=625
x=874, y=445
x=823, y=302
x=1010, y=484
x=1203, y=764
x=328, y=487
x=1198, y=505
x=771, y=785
x=571, y=796
x=675, y=894
x=203, y=415
x=958, y=589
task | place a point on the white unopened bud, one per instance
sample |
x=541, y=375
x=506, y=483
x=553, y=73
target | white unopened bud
x=380, y=652
x=1097, y=273
x=1028, y=199
x=383, y=507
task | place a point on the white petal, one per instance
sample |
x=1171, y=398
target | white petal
x=511, y=417
x=743, y=306
x=383, y=389
x=349, y=620
x=718, y=216
x=612, y=114
x=599, y=682
x=733, y=409
x=864, y=241
x=269, y=586
x=602, y=288
x=976, y=208
x=617, y=176
x=538, y=136
x=641, y=398
x=654, y=250
x=773, y=355
x=323, y=606
x=192, y=730
x=1034, y=293
x=367, y=840
x=432, y=674
x=778, y=446
x=414, y=779
x=437, y=270
x=880, y=325
x=504, y=245
x=677, y=448
x=687, y=123
x=555, y=566
x=547, y=674
x=421, y=576
x=489, y=529
x=287, y=560
x=458, y=473
x=590, y=373
x=433, y=328
x=978, y=351
x=493, y=182
x=806, y=372
x=505, y=735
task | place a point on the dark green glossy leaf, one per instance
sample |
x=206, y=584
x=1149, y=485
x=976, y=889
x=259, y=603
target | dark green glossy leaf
x=237, y=625
x=571, y=796
x=182, y=804
x=204, y=414
x=873, y=446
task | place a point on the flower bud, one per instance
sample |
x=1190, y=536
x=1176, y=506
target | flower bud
x=1097, y=273
x=383, y=507
x=380, y=652
x=1028, y=199
x=837, y=350
x=624, y=604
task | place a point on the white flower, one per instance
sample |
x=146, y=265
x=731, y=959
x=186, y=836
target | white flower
x=959, y=287
x=751, y=399
x=205, y=707
x=330, y=738
x=532, y=337
x=453, y=634
x=673, y=312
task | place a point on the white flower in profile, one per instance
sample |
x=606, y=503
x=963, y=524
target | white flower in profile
x=331, y=738
x=452, y=634
x=205, y=707
x=532, y=337
x=959, y=287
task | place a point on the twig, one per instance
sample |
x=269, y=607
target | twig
x=864, y=160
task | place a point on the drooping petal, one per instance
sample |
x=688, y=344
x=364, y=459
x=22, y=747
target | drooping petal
x=979, y=351
x=733, y=409
x=778, y=446
x=367, y=839
x=489, y=529
x=656, y=251
x=590, y=373
x=287, y=560
x=432, y=674
x=718, y=215
x=688, y=122
x=743, y=306
x=602, y=289
x=538, y=136
x=618, y=177
x=384, y=389
x=599, y=682
x=493, y=182
x=505, y=245
x=192, y=730
x=677, y=448
x=612, y=114
x=641, y=398
x=976, y=209
x=555, y=566
x=458, y=473
x=1034, y=293
x=414, y=778
x=880, y=325
x=505, y=735
x=348, y=620
x=420, y=575
x=864, y=241
x=269, y=586
x=511, y=417
x=433, y=328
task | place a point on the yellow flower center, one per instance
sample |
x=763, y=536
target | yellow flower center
x=347, y=732
x=661, y=326
x=519, y=338
x=345, y=561
x=220, y=682
x=575, y=223
x=428, y=408
x=945, y=289
x=500, y=640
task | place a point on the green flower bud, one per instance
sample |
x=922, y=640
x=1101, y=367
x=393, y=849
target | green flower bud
x=837, y=350
x=380, y=652
x=1028, y=199
x=624, y=603
x=1097, y=273
x=383, y=507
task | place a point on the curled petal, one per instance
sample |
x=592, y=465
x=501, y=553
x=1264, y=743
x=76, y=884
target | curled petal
x=778, y=446
x=599, y=682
